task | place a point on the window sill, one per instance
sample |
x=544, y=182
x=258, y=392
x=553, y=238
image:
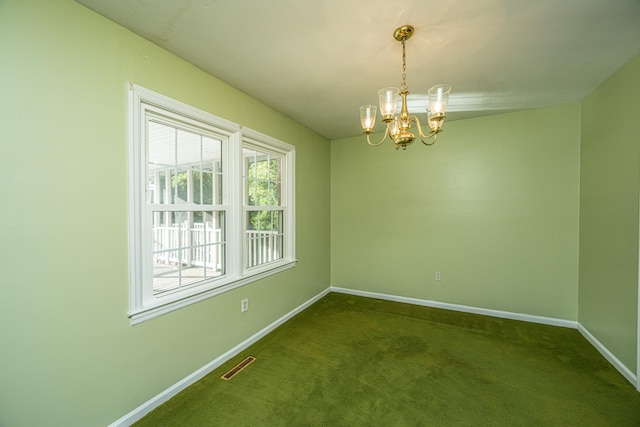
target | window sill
x=148, y=313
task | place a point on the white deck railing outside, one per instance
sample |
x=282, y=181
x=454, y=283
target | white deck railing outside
x=202, y=245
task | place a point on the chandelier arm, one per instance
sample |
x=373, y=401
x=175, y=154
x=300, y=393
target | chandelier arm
x=432, y=134
x=386, y=133
x=419, y=126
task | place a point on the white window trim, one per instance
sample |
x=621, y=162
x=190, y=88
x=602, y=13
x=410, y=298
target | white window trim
x=143, y=304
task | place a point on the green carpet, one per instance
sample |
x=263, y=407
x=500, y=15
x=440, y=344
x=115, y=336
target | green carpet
x=353, y=361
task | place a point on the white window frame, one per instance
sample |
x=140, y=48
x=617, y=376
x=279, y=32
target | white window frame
x=254, y=140
x=143, y=303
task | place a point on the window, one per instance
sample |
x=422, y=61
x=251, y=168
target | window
x=211, y=205
x=185, y=178
x=263, y=206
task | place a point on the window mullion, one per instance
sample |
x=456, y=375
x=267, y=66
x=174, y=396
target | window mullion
x=235, y=221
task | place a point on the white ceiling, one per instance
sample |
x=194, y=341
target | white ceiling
x=317, y=61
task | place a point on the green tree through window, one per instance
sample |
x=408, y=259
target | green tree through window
x=264, y=190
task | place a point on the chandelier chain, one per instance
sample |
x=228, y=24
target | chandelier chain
x=404, y=87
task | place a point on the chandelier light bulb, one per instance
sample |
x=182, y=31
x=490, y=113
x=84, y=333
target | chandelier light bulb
x=439, y=98
x=394, y=128
x=368, y=117
x=388, y=97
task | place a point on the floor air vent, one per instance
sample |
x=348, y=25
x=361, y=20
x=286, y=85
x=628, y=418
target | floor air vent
x=239, y=367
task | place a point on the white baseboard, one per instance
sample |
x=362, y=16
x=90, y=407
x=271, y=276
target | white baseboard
x=621, y=367
x=167, y=394
x=463, y=308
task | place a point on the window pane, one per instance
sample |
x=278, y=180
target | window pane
x=196, y=188
x=273, y=194
x=161, y=187
x=262, y=178
x=188, y=248
x=206, y=188
x=161, y=145
x=188, y=150
x=212, y=171
x=179, y=184
x=264, y=237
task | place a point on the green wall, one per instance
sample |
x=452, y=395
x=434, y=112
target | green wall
x=493, y=206
x=68, y=354
x=610, y=173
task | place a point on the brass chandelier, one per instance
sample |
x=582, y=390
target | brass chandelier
x=398, y=126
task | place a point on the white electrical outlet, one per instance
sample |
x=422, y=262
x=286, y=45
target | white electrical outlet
x=244, y=305
x=438, y=276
